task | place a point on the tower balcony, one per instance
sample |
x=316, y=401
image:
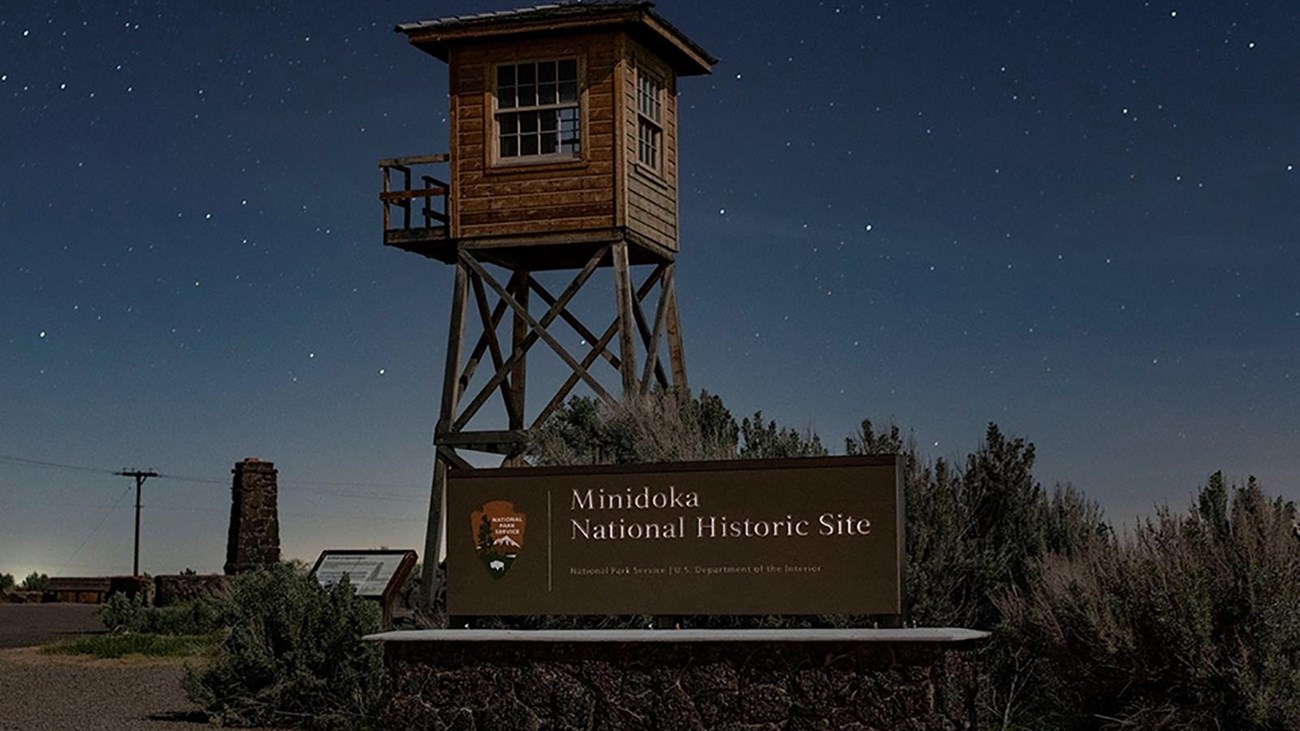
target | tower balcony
x=417, y=219
x=520, y=217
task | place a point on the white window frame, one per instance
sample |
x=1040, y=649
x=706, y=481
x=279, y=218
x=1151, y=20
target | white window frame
x=511, y=139
x=651, y=101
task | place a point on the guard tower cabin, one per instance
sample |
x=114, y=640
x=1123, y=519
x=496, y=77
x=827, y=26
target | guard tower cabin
x=563, y=157
x=563, y=138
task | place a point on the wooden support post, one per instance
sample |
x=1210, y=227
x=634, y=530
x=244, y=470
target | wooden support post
x=638, y=314
x=652, y=346
x=623, y=294
x=430, y=575
x=519, y=331
x=674, y=331
x=434, y=538
x=522, y=283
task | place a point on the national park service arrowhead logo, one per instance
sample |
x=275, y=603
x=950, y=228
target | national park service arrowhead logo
x=498, y=535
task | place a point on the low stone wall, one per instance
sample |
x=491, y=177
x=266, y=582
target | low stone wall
x=21, y=597
x=132, y=586
x=755, y=680
x=170, y=589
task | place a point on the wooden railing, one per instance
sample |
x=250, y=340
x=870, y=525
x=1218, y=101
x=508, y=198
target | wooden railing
x=400, y=199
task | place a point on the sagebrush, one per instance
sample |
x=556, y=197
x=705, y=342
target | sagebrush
x=1191, y=621
x=293, y=654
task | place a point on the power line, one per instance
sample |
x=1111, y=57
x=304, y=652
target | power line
x=295, y=484
x=52, y=465
x=94, y=530
x=184, y=478
x=329, y=483
x=27, y=462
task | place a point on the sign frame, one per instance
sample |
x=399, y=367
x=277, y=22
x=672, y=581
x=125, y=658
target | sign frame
x=470, y=491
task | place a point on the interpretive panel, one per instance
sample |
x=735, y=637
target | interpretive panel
x=369, y=571
x=794, y=536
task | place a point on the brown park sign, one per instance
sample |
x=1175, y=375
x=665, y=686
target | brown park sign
x=790, y=536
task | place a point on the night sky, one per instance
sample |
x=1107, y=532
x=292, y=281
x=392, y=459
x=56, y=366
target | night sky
x=1078, y=220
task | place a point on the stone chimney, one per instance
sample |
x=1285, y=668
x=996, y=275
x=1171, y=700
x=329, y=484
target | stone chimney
x=254, y=538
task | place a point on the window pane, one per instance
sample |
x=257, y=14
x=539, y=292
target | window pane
x=647, y=136
x=528, y=145
x=546, y=71
x=506, y=97
x=509, y=123
x=568, y=92
x=509, y=146
x=569, y=123
x=505, y=76
x=528, y=122
x=549, y=141
x=550, y=119
x=570, y=136
x=527, y=73
x=527, y=96
x=568, y=70
x=546, y=94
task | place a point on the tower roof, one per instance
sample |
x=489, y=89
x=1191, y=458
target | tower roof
x=637, y=16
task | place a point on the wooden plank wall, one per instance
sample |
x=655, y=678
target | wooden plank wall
x=526, y=199
x=651, y=197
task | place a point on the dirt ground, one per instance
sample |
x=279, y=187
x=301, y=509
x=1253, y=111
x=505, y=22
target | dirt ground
x=47, y=691
x=53, y=692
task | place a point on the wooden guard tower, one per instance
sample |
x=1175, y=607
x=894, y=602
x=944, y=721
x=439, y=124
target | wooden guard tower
x=563, y=157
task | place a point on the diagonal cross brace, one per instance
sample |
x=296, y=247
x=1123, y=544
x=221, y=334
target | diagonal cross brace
x=538, y=331
x=540, y=328
x=573, y=321
x=481, y=346
x=598, y=347
x=652, y=364
x=638, y=314
x=494, y=346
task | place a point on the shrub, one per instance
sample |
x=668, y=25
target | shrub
x=293, y=653
x=973, y=531
x=6, y=582
x=34, y=582
x=761, y=440
x=199, y=617
x=663, y=426
x=1193, y=621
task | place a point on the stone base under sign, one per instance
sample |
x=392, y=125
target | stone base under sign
x=484, y=680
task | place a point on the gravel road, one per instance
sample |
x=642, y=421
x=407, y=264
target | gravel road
x=24, y=625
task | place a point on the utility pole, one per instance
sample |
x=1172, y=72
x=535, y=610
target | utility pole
x=140, y=476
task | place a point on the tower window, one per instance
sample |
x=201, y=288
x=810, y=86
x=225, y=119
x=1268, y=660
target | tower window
x=537, y=112
x=649, y=130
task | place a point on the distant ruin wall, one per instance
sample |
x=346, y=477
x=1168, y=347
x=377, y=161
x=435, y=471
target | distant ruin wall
x=172, y=589
x=254, y=538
